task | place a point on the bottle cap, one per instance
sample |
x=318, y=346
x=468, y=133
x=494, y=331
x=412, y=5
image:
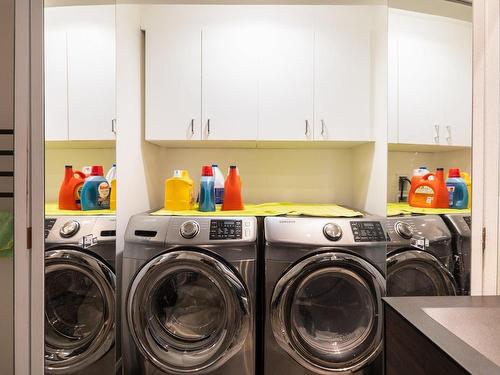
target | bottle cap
x=232, y=167
x=68, y=166
x=454, y=172
x=440, y=169
x=97, y=170
x=214, y=165
x=207, y=171
x=424, y=167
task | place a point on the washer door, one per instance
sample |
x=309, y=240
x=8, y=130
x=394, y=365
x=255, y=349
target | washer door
x=188, y=312
x=326, y=312
x=79, y=310
x=418, y=273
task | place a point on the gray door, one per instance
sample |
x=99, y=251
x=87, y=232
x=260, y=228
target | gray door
x=326, y=312
x=418, y=273
x=79, y=310
x=188, y=312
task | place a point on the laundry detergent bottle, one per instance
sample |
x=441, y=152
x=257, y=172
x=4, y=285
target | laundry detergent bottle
x=96, y=191
x=207, y=190
x=429, y=191
x=232, y=191
x=219, y=184
x=111, y=177
x=468, y=182
x=179, y=191
x=457, y=189
x=69, y=193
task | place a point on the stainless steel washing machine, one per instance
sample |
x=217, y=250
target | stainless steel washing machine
x=419, y=257
x=80, y=295
x=460, y=228
x=190, y=295
x=324, y=284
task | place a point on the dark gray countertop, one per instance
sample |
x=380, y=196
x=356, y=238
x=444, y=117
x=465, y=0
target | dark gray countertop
x=465, y=328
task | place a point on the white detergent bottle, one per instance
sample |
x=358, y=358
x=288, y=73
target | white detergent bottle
x=219, y=184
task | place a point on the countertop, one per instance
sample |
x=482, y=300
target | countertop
x=466, y=328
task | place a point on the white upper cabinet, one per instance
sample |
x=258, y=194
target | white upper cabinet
x=431, y=93
x=286, y=77
x=80, y=72
x=343, y=63
x=230, y=81
x=173, y=73
x=56, y=86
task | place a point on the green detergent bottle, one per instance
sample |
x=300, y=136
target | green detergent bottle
x=95, y=193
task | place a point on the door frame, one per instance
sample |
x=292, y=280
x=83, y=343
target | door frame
x=29, y=189
x=485, y=151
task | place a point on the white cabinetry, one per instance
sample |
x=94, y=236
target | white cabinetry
x=431, y=93
x=230, y=81
x=343, y=75
x=80, y=72
x=173, y=73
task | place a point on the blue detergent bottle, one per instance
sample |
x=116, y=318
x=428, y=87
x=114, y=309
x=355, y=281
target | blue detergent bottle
x=95, y=193
x=207, y=190
x=457, y=189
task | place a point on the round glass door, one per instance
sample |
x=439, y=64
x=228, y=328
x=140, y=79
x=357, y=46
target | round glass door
x=79, y=310
x=418, y=273
x=326, y=312
x=188, y=312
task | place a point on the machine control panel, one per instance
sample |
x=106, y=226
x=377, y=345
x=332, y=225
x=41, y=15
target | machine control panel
x=226, y=229
x=404, y=229
x=332, y=231
x=368, y=231
x=49, y=224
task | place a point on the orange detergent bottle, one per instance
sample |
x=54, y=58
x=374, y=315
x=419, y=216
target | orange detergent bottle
x=179, y=191
x=232, y=191
x=429, y=191
x=69, y=193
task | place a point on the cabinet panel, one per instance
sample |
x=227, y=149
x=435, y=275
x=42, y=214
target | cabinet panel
x=91, y=77
x=230, y=98
x=56, y=86
x=286, y=82
x=173, y=74
x=342, y=96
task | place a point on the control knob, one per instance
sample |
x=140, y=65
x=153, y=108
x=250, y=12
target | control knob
x=404, y=230
x=69, y=229
x=189, y=229
x=332, y=231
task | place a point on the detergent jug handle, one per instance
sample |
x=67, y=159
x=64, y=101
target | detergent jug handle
x=426, y=177
x=80, y=174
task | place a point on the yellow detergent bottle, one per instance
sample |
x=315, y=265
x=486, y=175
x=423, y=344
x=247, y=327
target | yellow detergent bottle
x=179, y=191
x=468, y=182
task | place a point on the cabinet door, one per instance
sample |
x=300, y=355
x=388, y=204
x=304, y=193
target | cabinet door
x=91, y=77
x=419, y=88
x=230, y=98
x=286, y=79
x=173, y=74
x=342, y=83
x=56, y=86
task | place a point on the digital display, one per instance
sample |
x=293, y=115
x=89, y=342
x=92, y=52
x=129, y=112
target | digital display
x=225, y=229
x=367, y=231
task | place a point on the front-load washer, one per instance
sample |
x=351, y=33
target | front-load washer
x=419, y=257
x=80, y=295
x=190, y=295
x=460, y=228
x=324, y=287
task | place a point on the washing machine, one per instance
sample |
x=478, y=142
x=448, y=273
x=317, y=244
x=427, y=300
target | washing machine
x=460, y=228
x=190, y=295
x=419, y=257
x=80, y=295
x=324, y=283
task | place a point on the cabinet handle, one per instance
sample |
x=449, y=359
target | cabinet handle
x=192, y=126
x=436, y=133
x=208, y=127
x=113, y=125
x=307, y=127
x=322, y=127
x=448, y=138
